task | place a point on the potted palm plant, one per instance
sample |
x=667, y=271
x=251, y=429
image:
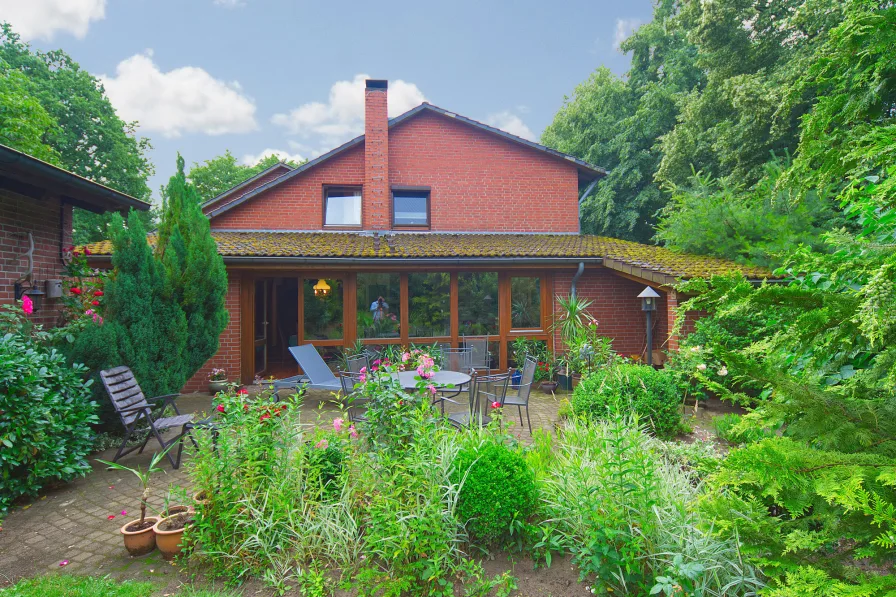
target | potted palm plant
x=139, y=536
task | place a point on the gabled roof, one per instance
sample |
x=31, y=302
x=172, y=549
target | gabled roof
x=30, y=177
x=643, y=261
x=235, y=190
x=586, y=171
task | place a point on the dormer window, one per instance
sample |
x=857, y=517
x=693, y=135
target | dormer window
x=410, y=207
x=342, y=207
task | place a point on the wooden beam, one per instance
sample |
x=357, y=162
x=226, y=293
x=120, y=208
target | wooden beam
x=247, y=329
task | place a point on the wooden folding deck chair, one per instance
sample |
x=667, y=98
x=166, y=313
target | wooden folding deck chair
x=132, y=407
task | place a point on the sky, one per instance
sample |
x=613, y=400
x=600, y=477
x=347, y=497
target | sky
x=286, y=77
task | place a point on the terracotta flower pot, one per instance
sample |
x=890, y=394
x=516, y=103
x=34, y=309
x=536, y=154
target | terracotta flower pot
x=170, y=532
x=142, y=541
x=172, y=510
x=200, y=498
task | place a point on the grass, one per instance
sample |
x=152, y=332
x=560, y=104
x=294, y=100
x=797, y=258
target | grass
x=57, y=585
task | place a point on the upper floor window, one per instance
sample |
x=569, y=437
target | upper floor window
x=342, y=206
x=410, y=207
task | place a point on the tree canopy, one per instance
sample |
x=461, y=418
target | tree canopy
x=213, y=177
x=54, y=110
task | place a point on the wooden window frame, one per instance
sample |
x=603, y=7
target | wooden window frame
x=325, y=189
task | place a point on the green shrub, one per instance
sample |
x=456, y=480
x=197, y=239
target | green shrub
x=732, y=428
x=499, y=487
x=46, y=411
x=651, y=394
x=77, y=586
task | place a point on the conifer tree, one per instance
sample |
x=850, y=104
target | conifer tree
x=190, y=257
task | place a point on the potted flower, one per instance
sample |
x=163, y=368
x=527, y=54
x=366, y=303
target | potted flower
x=139, y=536
x=545, y=371
x=217, y=381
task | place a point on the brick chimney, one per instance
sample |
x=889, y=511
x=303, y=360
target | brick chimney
x=375, y=209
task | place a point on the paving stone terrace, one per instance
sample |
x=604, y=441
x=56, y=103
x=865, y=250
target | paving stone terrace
x=71, y=522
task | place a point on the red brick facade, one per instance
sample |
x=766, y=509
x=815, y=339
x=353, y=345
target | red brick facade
x=226, y=198
x=617, y=308
x=228, y=357
x=50, y=224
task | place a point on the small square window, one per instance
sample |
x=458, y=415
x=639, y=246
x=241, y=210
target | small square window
x=342, y=206
x=410, y=208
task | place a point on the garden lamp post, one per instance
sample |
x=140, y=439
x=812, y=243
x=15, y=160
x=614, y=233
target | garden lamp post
x=648, y=298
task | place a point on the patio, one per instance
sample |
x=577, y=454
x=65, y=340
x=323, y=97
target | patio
x=71, y=523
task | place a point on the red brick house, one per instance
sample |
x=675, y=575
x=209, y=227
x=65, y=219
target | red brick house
x=36, y=201
x=461, y=228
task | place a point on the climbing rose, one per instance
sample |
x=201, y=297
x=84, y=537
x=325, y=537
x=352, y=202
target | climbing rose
x=220, y=408
x=322, y=444
x=95, y=303
x=98, y=293
x=432, y=389
x=27, y=305
x=353, y=432
x=496, y=405
x=86, y=251
x=337, y=425
x=75, y=290
x=242, y=391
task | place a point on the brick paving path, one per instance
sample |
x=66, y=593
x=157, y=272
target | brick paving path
x=71, y=522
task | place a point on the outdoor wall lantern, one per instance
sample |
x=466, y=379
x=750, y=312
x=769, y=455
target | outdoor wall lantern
x=34, y=293
x=648, y=298
x=321, y=288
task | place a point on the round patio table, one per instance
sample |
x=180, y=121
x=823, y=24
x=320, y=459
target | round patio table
x=456, y=378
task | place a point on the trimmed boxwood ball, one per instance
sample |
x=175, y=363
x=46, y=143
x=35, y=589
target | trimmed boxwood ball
x=499, y=485
x=649, y=392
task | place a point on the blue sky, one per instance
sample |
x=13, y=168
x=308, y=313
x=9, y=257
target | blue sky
x=252, y=76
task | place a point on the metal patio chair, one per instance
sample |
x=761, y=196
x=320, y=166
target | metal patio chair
x=454, y=359
x=132, y=407
x=521, y=399
x=485, y=390
x=317, y=376
x=481, y=358
x=355, y=363
x=356, y=402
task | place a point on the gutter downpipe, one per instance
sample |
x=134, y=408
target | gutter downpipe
x=575, y=278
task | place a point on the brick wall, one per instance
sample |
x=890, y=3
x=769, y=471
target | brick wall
x=377, y=198
x=18, y=216
x=617, y=308
x=478, y=181
x=228, y=355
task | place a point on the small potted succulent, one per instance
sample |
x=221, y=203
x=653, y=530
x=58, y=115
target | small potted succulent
x=139, y=535
x=217, y=380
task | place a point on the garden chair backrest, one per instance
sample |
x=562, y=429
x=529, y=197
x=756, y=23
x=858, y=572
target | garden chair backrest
x=125, y=393
x=487, y=389
x=457, y=359
x=527, y=378
x=479, y=347
x=357, y=362
x=313, y=366
x=348, y=380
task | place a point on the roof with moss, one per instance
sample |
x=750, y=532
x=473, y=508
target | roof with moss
x=644, y=261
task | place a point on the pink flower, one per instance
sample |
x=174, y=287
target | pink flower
x=377, y=362
x=110, y=517
x=496, y=405
x=405, y=357
x=124, y=512
x=63, y=563
x=86, y=251
x=220, y=408
x=27, y=304
x=242, y=392
x=363, y=378
x=432, y=389
x=353, y=432
x=337, y=425
x=322, y=444
x=363, y=370
x=420, y=370
x=427, y=375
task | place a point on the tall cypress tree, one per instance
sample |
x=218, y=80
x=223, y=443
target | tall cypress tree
x=145, y=327
x=190, y=257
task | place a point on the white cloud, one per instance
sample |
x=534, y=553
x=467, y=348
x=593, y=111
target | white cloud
x=41, y=19
x=511, y=123
x=230, y=3
x=624, y=28
x=342, y=116
x=251, y=160
x=183, y=100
